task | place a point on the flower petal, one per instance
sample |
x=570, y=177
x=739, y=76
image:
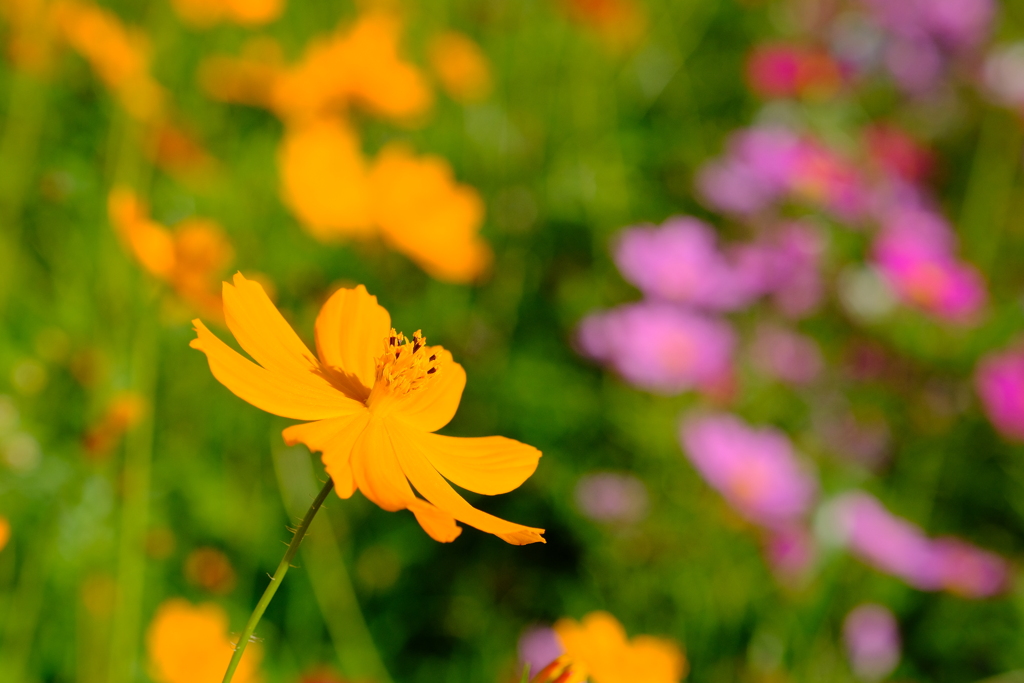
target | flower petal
x=334, y=438
x=412, y=456
x=376, y=469
x=350, y=333
x=433, y=406
x=265, y=335
x=438, y=524
x=268, y=390
x=489, y=465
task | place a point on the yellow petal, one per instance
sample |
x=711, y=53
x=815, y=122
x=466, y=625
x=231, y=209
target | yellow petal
x=600, y=644
x=268, y=390
x=376, y=469
x=265, y=335
x=489, y=465
x=334, y=438
x=411, y=454
x=350, y=333
x=433, y=405
x=439, y=525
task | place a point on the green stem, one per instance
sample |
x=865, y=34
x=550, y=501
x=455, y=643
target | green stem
x=275, y=582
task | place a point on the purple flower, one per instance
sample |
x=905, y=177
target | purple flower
x=786, y=355
x=755, y=172
x=786, y=264
x=959, y=24
x=611, y=497
x=538, y=647
x=1000, y=383
x=659, y=347
x=754, y=469
x=681, y=262
x=872, y=639
x=898, y=547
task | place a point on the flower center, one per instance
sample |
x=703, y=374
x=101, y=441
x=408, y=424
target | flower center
x=406, y=364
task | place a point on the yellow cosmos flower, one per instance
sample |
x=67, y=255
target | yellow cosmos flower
x=461, y=66
x=372, y=400
x=189, y=644
x=598, y=645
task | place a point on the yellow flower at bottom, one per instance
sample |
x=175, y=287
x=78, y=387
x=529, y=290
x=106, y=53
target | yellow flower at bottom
x=372, y=399
x=599, y=645
x=189, y=644
x=425, y=214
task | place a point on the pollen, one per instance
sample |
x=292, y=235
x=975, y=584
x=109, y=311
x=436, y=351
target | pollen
x=406, y=364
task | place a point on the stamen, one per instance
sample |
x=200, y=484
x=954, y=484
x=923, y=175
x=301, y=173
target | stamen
x=401, y=373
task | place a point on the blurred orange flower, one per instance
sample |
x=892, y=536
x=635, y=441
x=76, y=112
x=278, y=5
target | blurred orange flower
x=205, y=13
x=5, y=532
x=373, y=400
x=461, y=66
x=210, y=569
x=189, y=644
x=425, y=214
x=30, y=44
x=562, y=670
x=620, y=23
x=119, y=55
x=173, y=149
x=124, y=412
x=361, y=66
x=599, y=646
x=188, y=258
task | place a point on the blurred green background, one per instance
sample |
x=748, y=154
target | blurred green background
x=576, y=141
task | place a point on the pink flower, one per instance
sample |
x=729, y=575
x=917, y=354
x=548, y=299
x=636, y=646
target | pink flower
x=787, y=265
x=779, y=70
x=538, y=647
x=659, y=347
x=681, y=262
x=755, y=172
x=823, y=178
x=914, y=252
x=898, y=547
x=611, y=497
x=786, y=355
x=872, y=639
x=754, y=469
x=1000, y=383
x=791, y=552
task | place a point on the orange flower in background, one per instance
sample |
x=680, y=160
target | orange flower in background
x=211, y=570
x=30, y=44
x=189, y=644
x=425, y=214
x=188, y=258
x=324, y=179
x=119, y=55
x=206, y=13
x=372, y=400
x=362, y=66
x=124, y=412
x=620, y=23
x=461, y=66
x=173, y=149
x=599, y=646
x=5, y=532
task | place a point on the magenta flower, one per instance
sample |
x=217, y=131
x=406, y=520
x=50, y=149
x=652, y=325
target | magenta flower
x=681, y=262
x=786, y=355
x=969, y=571
x=1000, y=383
x=611, y=497
x=755, y=470
x=785, y=264
x=538, y=647
x=872, y=639
x=914, y=252
x=822, y=178
x=659, y=347
x=755, y=172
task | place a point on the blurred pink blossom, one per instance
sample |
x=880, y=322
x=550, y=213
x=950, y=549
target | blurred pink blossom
x=755, y=172
x=791, y=552
x=681, y=262
x=786, y=263
x=786, y=70
x=755, y=470
x=612, y=497
x=898, y=547
x=872, y=639
x=1000, y=383
x=659, y=347
x=538, y=647
x=786, y=355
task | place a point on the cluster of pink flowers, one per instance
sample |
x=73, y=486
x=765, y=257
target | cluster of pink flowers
x=898, y=547
x=1000, y=383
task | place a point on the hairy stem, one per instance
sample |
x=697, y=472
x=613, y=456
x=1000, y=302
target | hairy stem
x=275, y=582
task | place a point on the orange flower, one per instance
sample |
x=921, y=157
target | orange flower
x=205, y=13
x=30, y=44
x=119, y=55
x=620, y=23
x=248, y=79
x=173, y=149
x=5, y=532
x=188, y=258
x=189, y=644
x=598, y=645
x=372, y=399
x=427, y=216
x=562, y=670
x=324, y=179
x=124, y=411
x=461, y=66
